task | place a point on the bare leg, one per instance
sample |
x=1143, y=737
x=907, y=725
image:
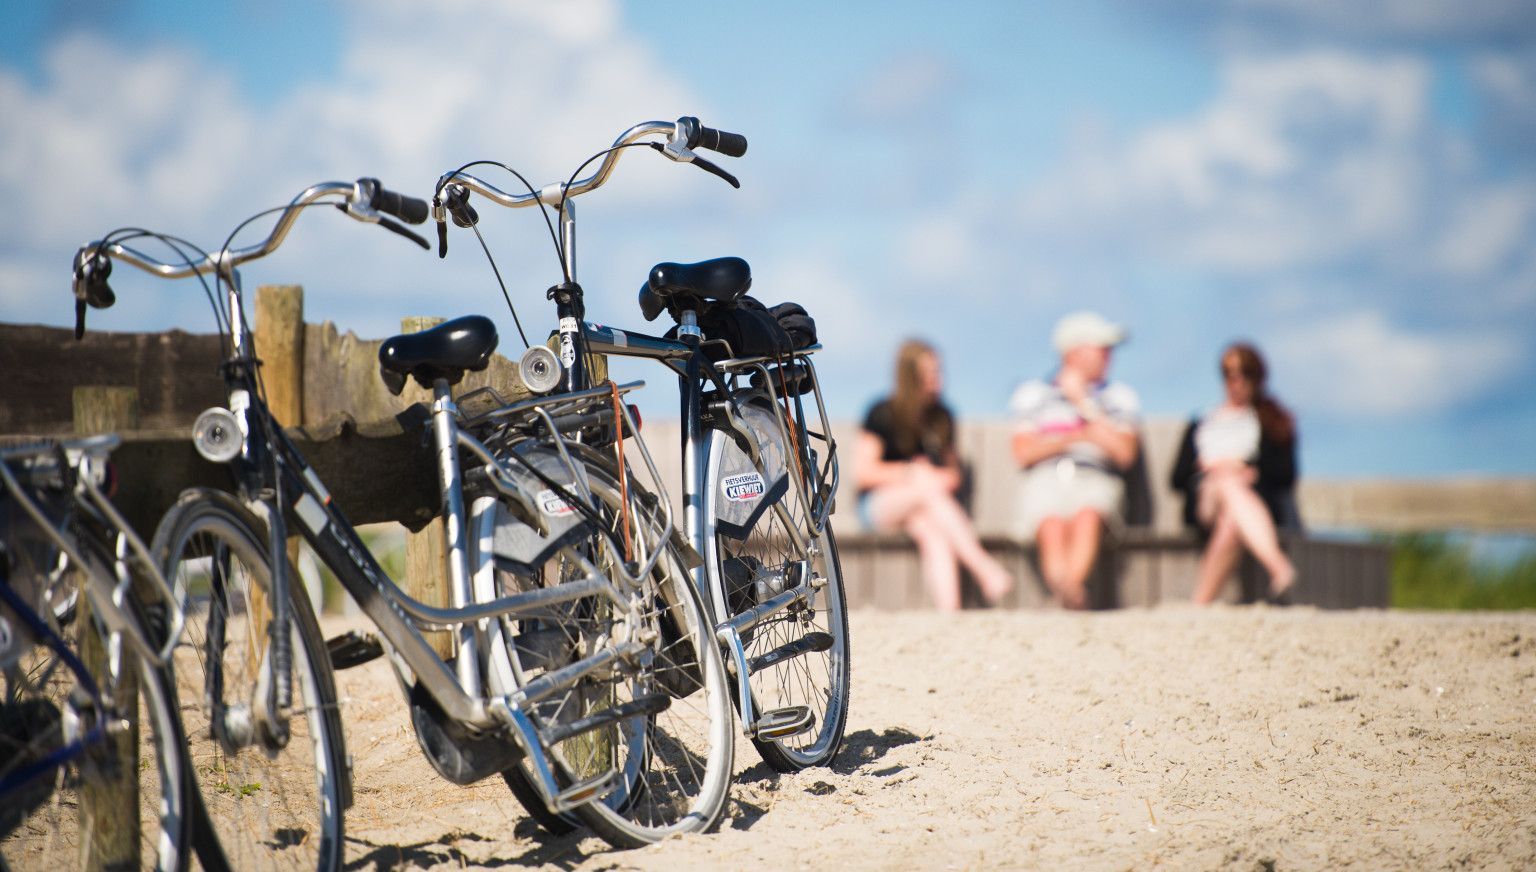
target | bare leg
x=1220, y=557
x=1055, y=543
x=1083, y=533
x=946, y=515
x=1051, y=542
x=1257, y=530
x=941, y=573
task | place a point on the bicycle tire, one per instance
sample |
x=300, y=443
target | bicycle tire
x=271, y=808
x=46, y=823
x=817, y=680
x=652, y=801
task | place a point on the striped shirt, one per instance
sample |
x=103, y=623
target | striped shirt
x=1039, y=406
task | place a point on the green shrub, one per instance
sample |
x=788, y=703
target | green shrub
x=1432, y=571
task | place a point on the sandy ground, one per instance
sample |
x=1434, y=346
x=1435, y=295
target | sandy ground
x=1245, y=738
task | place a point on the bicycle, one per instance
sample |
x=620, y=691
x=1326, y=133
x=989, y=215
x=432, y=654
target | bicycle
x=92, y=769
x=532, y=549
x=758, y=482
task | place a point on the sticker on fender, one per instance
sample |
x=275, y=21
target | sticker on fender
x=553, y=504
x=742, y=488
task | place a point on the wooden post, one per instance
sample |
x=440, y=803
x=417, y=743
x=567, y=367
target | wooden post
x=109, y=807
x=280, y=347
x=426, y=562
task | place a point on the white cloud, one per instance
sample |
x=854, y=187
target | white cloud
x=113, y=135
x=1298, y=161
x=1359, y=364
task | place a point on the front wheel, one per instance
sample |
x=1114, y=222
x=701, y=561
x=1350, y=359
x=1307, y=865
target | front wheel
x=272, y=806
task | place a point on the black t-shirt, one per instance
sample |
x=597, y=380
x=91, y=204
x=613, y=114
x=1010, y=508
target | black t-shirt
x=881, y=421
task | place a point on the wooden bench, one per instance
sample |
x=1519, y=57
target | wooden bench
x=1141, y=568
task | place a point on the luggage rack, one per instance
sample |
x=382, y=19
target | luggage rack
x=565, y=423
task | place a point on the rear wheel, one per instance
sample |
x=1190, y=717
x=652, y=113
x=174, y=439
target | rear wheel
x=272, y=806
x=798, y=658
x=672, y=754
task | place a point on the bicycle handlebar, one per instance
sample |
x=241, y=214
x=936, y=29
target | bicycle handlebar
x=683, y=136
x=363, y=200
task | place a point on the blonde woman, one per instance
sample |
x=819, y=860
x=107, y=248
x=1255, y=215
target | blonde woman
x=907, y=473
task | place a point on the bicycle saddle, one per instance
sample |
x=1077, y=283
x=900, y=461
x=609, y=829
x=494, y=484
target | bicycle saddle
x=444, y=351
x=719, y=280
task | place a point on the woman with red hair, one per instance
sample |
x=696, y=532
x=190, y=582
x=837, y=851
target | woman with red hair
x=1237, y=469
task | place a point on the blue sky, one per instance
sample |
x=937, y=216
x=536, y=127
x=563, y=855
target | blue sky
x=1351, y=185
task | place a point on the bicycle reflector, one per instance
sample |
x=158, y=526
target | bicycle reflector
x=539, y=369
x=216, y=435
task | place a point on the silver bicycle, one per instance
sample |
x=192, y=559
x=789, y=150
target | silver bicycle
x=568, y=615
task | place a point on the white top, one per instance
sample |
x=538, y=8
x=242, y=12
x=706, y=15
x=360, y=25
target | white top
x=1039, y=406
x=1225, y=433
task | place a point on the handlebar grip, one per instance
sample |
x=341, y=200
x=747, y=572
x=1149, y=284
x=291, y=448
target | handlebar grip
x=408, y=209
x=728, y=144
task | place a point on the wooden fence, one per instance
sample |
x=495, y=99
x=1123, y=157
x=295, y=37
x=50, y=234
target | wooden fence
x=366, y=444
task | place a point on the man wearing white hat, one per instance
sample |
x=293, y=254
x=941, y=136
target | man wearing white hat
x=1075, y=436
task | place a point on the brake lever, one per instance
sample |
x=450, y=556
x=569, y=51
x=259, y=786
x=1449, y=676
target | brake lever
x=395, y=227
x=683, y=154
x=703, y=164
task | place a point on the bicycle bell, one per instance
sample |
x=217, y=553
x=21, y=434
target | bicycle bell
x=540, y=369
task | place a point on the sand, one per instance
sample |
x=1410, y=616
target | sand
x=1243, y=738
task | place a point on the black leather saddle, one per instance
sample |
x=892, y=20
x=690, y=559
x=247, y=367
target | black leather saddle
x=721, y=280
x=445, y=351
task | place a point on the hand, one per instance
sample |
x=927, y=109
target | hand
x=1073, y=386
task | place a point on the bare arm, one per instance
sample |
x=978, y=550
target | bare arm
x=869, y=471
x=1121, y=445
x=1029, y=448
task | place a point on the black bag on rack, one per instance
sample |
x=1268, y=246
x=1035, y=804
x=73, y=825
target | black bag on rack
x=797, y=322
x=748, y=326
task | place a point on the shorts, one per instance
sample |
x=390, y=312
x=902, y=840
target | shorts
x=1060, y=487
x=869, y=509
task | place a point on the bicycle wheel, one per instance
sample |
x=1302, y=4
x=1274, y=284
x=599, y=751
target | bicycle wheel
x=270, y=806
x=673, y=755
x=798, y=657
x=115, y=792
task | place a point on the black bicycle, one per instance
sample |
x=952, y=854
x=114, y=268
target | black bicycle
x=92, y=768
x=567, y=614
x=758, y=476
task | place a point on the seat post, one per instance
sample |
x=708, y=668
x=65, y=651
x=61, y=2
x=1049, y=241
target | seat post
x=445, y=443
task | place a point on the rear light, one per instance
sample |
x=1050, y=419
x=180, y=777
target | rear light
x=634, y=413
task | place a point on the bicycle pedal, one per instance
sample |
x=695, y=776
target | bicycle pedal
x=815, y=641
x=644, y=706
x=353, y=648
x=584, y=792
x=781, y=723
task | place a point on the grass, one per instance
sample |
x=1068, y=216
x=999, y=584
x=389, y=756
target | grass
x=1432, y=571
